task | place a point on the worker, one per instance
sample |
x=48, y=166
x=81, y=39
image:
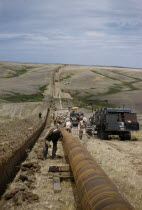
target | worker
x=78, y=117
x=82, y=126
x=55, y=119
x=53, y=135
x=52, y=116
x=40, y=115
x=68, y=125
x=85, y=119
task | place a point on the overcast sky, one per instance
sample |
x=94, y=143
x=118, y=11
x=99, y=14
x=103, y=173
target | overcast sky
x=94, y=32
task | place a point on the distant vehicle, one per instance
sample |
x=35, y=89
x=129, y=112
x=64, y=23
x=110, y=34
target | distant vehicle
x=74, y=118
x=115, y=121
x=74, y=108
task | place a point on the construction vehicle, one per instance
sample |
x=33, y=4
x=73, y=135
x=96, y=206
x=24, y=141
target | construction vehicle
x=115, y=121
x=75, y=117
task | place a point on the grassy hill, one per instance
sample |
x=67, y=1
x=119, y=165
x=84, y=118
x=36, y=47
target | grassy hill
x=116, y=86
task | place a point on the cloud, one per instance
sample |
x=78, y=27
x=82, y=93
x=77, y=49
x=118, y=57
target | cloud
x=71, y=30
x=33, y=38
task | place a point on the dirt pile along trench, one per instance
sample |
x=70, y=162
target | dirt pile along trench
x=16, y=140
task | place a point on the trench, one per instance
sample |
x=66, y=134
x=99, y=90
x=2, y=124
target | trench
x=10, y=168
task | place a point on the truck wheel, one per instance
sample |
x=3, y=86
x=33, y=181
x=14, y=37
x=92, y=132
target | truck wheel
x=98, y=135
x=103, y=136
x=128, y=136
x=122, y=137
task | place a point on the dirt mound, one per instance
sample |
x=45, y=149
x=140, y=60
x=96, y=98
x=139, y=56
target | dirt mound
x=22, y=193
x=17, y=140
x=14, y=135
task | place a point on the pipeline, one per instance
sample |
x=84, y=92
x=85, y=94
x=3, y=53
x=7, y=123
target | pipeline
x=95, y=189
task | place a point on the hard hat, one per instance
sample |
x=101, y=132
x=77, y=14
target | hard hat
x=84, y=119
x=74, y=107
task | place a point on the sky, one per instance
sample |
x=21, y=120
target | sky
x=86, y=32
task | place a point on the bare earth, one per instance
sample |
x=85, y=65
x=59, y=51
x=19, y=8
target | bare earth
x=121, y=160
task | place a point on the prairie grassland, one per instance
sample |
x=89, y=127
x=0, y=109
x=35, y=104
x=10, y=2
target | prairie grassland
x=23, y=79
x=120, y=86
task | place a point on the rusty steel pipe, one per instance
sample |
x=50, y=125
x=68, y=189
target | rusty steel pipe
x=95, y=189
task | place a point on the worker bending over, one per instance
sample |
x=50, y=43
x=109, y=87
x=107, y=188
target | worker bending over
x=53, y=135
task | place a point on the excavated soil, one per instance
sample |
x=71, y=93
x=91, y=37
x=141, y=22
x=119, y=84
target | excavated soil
x=14, y=135
x=17, y=139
